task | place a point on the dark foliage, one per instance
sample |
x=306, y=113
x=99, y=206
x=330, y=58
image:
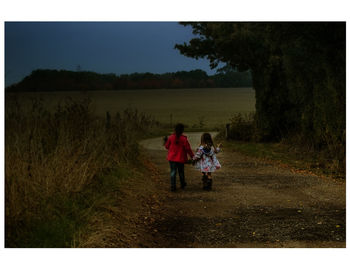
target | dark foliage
x=298, y=73
x=63, y=80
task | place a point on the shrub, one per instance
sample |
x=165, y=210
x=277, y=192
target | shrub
x=242, y=127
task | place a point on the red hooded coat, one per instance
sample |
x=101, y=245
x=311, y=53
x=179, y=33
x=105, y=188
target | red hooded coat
x=178, y=148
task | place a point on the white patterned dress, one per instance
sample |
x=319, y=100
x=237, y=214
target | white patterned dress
x=206, y=160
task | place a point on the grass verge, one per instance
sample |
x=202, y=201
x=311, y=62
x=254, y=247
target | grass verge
x=64, y=222
x=287, y=156
x=63, y=167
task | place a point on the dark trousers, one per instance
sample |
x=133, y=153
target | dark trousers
x=176, y=166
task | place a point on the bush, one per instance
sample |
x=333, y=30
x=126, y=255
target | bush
x=242, y=127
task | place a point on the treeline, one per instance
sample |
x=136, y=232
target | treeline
x=63, y=80
x=298, y=73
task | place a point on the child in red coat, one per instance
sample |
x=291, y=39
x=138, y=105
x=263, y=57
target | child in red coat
x=178, y=149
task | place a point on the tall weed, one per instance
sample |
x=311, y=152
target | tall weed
x=51, y=160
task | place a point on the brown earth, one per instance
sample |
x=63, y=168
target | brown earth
x=253, y=204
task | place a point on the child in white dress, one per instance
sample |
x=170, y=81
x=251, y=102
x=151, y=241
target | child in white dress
x=205, y=159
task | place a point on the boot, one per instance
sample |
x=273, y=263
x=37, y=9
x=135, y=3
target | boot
x=210, y=182
x=205, y=182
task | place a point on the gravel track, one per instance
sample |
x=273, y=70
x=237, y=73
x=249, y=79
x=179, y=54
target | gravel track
x=253, y=204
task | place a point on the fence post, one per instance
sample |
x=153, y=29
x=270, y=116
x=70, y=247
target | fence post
x=227, y=131
x=108, y=120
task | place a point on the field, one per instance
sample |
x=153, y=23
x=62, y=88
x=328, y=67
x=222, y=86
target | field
x=196, y=108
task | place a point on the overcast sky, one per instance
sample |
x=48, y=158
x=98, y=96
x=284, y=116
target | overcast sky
x=103, y=47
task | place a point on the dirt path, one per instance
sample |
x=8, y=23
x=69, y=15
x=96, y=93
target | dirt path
x=252, y=204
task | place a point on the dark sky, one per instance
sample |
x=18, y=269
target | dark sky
x=103, y=47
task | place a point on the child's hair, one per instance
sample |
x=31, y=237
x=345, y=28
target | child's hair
x=179, y=129
x=207, y=140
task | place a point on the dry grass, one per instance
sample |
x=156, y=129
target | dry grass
x=54, y=162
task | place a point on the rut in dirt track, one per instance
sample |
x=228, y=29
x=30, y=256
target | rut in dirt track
x=253, y=204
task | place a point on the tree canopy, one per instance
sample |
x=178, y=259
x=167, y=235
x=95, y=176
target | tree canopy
x=298, y=73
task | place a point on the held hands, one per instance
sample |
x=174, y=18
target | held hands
x=194, y=160
x=191, y=161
